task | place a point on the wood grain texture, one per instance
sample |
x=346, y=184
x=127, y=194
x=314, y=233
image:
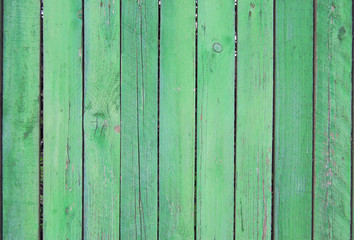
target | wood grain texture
x=62, y=66
x=215, y=124
x=293, y=119
x=102, y=119
x=254, y=119
x=21, y=119
x=177, y=120
x=139, y=119
x=333, y=120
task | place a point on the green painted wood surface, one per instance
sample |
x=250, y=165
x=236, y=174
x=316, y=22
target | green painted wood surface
x=293, y=119
x=20, y=137
x=333, y=120
x=215, y=119
x=254, y=119
x=62, y=153
x=177, y=120
x=101, y=119
x=139, y=119
x=118, y=104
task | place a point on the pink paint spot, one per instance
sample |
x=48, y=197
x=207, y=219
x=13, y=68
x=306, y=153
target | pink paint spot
x=117, y=129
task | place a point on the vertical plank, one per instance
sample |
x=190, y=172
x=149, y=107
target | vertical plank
x=62, y=119
x=139, y=119
x=293, y=119
x=215, y=124
x=254, y=119
x=101, y=119
x=21, y=84
x=177, y=120
x=333, y=120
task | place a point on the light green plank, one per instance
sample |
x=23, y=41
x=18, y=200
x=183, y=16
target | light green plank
x=333, y=120
x=21, y=119
x=177, y=119
x=102, y=119
x=62, y=65
x=254, y=119
x=139, y=119
x=215, y=119
x=293, y=119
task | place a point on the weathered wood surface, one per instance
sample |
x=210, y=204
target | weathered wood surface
x=254, y=119
x=62, y=104
x=293, y=119
x=139, y=119
x=333, y=120
x=177, y=120
x=154, y=130
x=21, y=105
x=101, y=119
x=215, y=119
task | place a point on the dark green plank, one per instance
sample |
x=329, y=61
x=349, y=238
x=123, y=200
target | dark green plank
x=102, y=120
x=139, y=119
x=21, y=119
x=333, y=120
x=293, y=119
x=215, y=122
x=177, y=120
x=254, y=119
x=62, y=66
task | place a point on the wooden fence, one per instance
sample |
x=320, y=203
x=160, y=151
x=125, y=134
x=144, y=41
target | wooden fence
x=178, y=119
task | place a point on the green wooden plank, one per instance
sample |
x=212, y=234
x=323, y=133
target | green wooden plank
x=254, y=119
x=293, y=119
x=215, y=119
x=333, y=120
x=21, y=119
x=139, y=119
x=102, y=119
x=177, y=120
x=62, y=119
